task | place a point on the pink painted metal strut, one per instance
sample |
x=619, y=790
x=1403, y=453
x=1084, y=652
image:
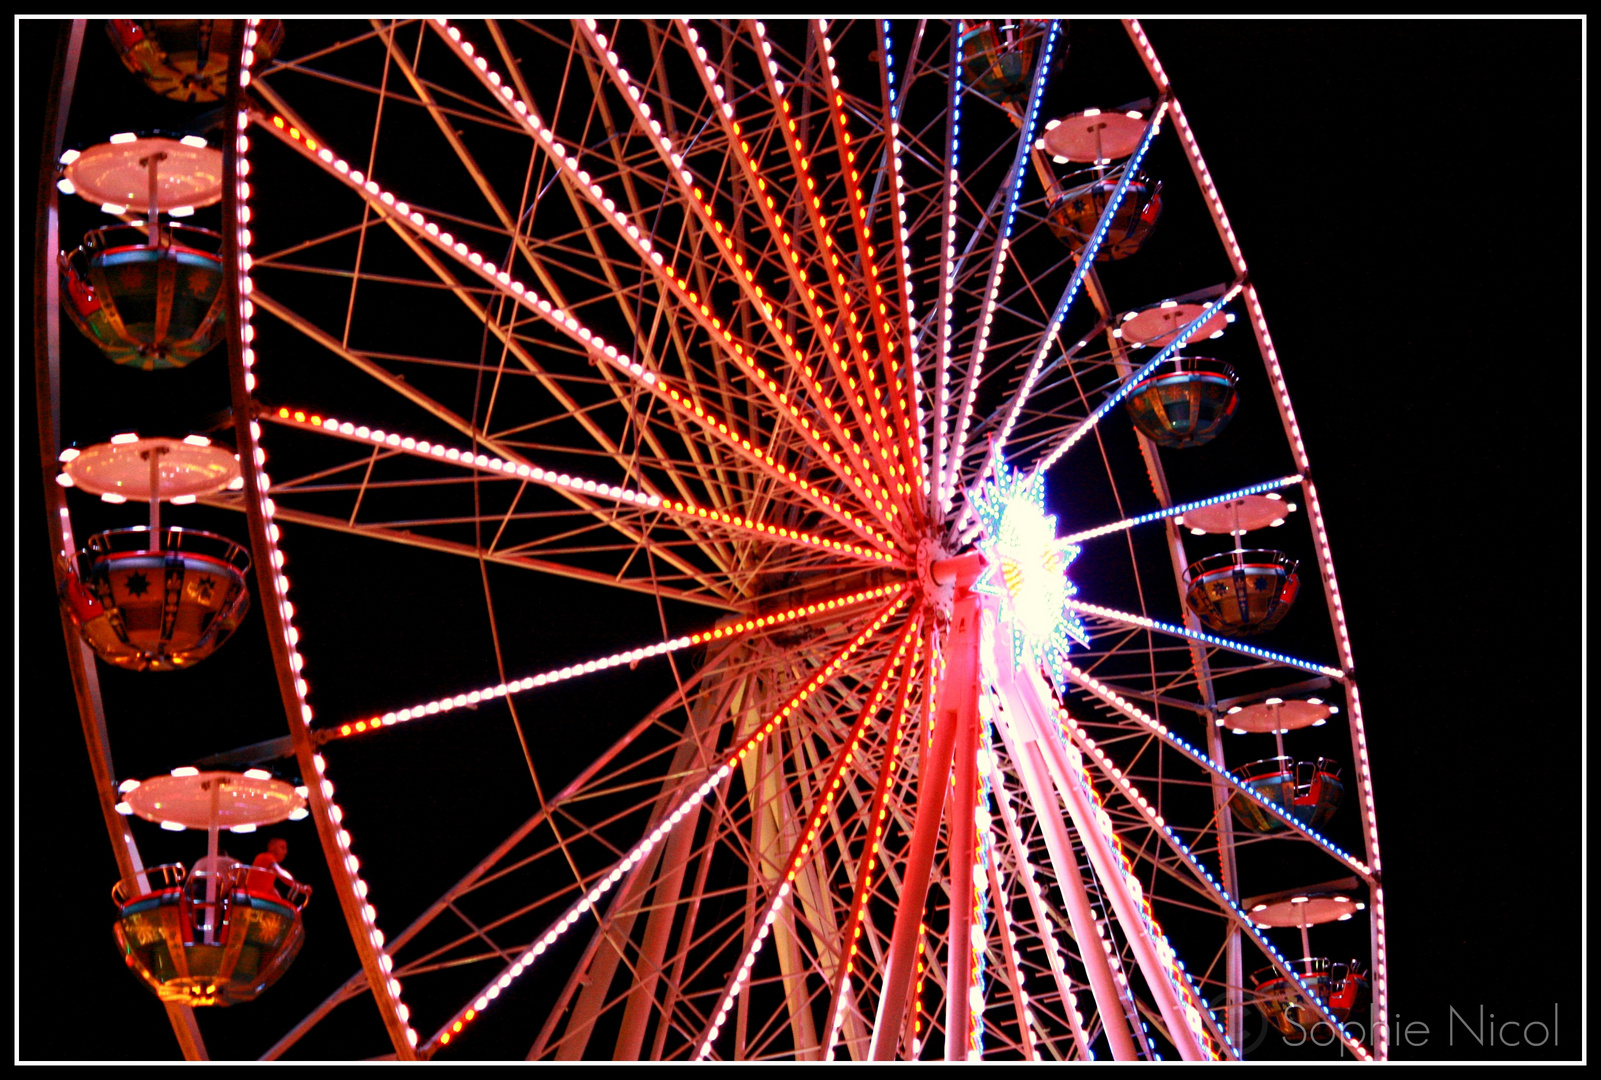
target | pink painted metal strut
x=1109, y=873
x=958, y=697
x=1017, y=731
x=961, y=851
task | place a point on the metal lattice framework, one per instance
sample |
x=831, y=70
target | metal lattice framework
x=736, y=317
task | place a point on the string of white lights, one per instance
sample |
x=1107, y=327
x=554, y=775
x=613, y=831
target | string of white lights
x=552, y=478
x=1199, y=757
x=320, y=792
x=627, y=656
x=803, y=845
x=1183, y=508
x=1003, y=241
x=744, y=447
x=465, y=1015
x=1198, y=635
x=1068, y=729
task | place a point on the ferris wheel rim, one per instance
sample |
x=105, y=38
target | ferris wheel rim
x=866, y=536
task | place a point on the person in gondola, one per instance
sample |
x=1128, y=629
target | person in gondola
x=267, y=868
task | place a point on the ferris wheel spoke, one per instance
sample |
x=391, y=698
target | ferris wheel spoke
x=698, y=521
x=672, y=284
x=1129, y=619
x=1013, y=185
x=1121, y=783
x=598, y=504
x=1150, y=365
x=1200, y=758
x=688, y=407
x=900, y=376
x=447, y=128
x=733, y=252
x=800, y=616
x=810, y=311
x=946, y=280
x=849, y=365
x=604, y=885
x=814, y=837
x=1184, y=508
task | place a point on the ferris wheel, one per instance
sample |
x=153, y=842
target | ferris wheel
x=838, y=383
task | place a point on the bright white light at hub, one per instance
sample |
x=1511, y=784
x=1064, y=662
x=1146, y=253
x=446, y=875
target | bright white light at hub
x=1027, y=563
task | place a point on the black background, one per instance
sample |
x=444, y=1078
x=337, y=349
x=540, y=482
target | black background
x=1408, y=196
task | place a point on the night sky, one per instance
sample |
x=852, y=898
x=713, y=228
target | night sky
x=1408, y=197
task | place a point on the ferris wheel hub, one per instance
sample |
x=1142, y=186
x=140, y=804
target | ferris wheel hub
x=939, y=594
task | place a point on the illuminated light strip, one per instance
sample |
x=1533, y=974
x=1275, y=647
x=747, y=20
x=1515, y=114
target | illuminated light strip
x=983, y=864
x=1036, y=901
x=881, y=433
x=1067, y=728
x=1326, y=559
x=1337, y=608
x=1025, y=1016
x=878, y=811
x=1198, y=164
x=333, y=814
x=1151, y=62
x=1380, y=945
x=903, y=249
x=851, y=181
x=454, y=1025
x=386, y=204
x=917, y=993
x=1114, y=961
x=1003, y=241
x=1197, y=635
x=792, y=265
x=553, y=479
x=1190, y=997
x=1280, y=391
x=629, y=656
x=1184, y=508
x=1085, y=259
x=1264, y=340
x=744, y=276
x=1173, y=967
x=1214, y=203
x=878, y=308
x=797, y=274
x=1133, y=380
x=1199, y=757
x=947, y=274
x=797, y=857
x=1314, y=507
x=825, y=242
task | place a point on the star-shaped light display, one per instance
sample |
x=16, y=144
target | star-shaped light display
x=1027, y=565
